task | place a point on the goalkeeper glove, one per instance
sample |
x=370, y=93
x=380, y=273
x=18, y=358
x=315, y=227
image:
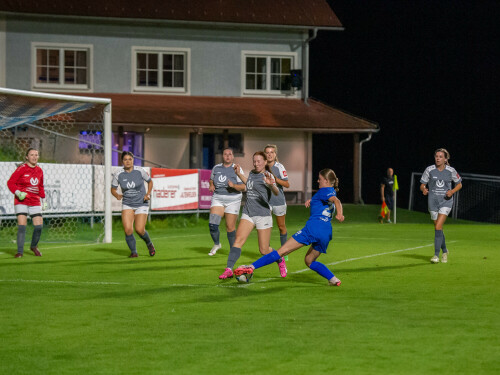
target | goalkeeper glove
x=20, y=195
x=44, y=204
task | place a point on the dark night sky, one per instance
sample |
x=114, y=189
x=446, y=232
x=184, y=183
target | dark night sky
x=426, y=71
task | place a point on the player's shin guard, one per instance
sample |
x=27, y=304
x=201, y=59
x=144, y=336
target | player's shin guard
x=145, y=237
x=438, y=240
x=322, y=270
x=131, y=243
x=213, y=224
x=37, y=232
x=21, y=237
x=231, y=237
x=234, y=255
x=264, y=260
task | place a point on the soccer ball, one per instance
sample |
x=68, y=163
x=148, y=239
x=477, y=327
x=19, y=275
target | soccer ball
x=244, y=278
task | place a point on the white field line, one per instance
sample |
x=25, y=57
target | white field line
x=219, y=285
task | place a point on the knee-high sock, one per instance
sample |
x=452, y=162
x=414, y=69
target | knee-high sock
x=145, y=237
x=21, y=236
x=131, y=243
x=438, y=240
x=264, y=260
x=213, y=223
x=283, y=238
x=231, y=237
x=37, y=232
x=322, y=270
x=234, y=255
x=443, y=245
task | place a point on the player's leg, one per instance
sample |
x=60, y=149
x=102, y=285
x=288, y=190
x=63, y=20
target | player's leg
x=128, y=226
x=439, y=240
x=311, y=262
x=246, y=226
x=37, y=220
x=22, y=221
x=231, y=212
x=290, y=246
x=216, y=214
x=140, y=220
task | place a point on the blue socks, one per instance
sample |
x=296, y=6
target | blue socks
x=264, y=260
x=234, y=255
x=231, y=237
x=37, y=232
x=283, y=238
x=145, y=237
x=322, y=270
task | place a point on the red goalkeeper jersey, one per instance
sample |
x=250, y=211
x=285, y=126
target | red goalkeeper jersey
x=30, y=180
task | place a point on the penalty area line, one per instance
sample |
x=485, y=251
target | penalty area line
x=352, y=260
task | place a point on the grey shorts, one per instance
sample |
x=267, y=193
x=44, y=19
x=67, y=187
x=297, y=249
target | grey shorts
x=438, y=205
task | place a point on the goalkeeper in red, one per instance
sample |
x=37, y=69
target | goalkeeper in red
x=26, y=183
x=317, y=232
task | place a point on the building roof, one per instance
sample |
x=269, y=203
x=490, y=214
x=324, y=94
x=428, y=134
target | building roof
x=236, y=113
x=297, y=13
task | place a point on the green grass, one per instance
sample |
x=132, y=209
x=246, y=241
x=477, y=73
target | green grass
x=91, y=310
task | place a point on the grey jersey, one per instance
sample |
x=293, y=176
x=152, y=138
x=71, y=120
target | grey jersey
x=221, y=175
x=439, y=182
x=258, y=195
x=132, y=185
x=279, y=171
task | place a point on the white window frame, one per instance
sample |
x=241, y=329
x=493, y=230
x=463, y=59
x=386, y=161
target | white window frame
x=59, y=87
x=186, y=90
x=268, y=55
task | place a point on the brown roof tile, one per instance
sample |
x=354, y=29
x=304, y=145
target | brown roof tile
x=223, y=112
x=308, y=13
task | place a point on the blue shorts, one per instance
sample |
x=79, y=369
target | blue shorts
x=318, y=235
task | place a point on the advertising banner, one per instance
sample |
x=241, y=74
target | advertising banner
x=205, y=194
x=174, y=189
x=68, y=188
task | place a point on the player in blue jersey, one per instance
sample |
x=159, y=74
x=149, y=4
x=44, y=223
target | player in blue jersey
x=436, y=183
x=226, y=201
x=259, y=186
x=135, y=201
x=317, y=232
x=278, y=202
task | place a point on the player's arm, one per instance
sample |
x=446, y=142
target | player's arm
x=382, y=192
x=239, y=173
x=147, y=197
x=12, y=182
x=212, y=186
x=283, y=183
x=41, y=188
x=114, y=193
x=423, y=189
x=457, y=187
x=338, y=207
x=270, y=181
x=238, y=187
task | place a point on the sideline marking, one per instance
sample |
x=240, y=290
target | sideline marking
x=205, y=285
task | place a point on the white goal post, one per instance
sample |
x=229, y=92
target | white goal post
x=74, y=138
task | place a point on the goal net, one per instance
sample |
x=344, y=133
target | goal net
x=72, y=137
x=478, y=200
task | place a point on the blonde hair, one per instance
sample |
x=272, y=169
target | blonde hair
x=275, y=149
x=446, y=154
x=329, y=175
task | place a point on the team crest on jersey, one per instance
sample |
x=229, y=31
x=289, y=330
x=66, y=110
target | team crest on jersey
x=440, y=183
x=249, y=185
x=284, y=174
x=222, y=178
x=130, y=185
x=34, y=181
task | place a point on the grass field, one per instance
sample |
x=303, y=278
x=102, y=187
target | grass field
x=92, y=310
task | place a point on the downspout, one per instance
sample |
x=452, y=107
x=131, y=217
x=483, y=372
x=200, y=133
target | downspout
x=305, y=63
x=360, y=164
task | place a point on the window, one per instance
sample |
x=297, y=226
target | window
x=267, y=74
x=62, y=66
x=162, y=70
x=90, y=140
x=130, y=141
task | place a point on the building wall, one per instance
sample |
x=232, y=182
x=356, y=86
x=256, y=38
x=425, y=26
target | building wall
x=216, y=66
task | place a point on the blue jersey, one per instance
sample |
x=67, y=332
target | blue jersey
x=318, y=229
x=321, y=207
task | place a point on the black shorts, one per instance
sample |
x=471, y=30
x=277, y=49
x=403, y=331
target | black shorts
x=389, y=201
